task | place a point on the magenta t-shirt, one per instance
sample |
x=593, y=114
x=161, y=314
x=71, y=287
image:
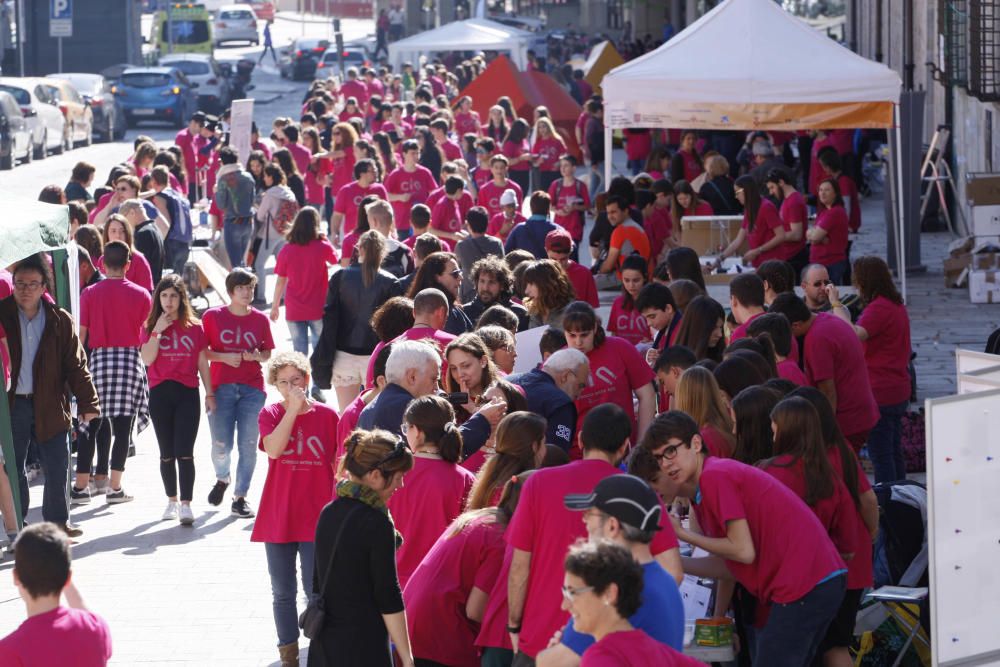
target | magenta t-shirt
x=627, y=324
x=794, y=553
x=302, y=157
x=489, y=195
x=451, y=150
x=513, y=150
x=447, y=216
x=833, y=351
x=860, y=573
x=763, y=231
x=177, y=358
x=789, y=370
x=549, y=150
x=234, y=333
x=300, y=482
x=6, y=283
x=348, y=201
x=634, y=648
x=436, y=594
x=316, y=172
x=138, y=270
x=493, y=631
x=305, y=268
x=887, y=350
x=794, y=209
x=434, y=494
x=544, y=527
x=741, y=330
x=583, y=283
x=417, y=183
x=562, y=196
x=343, y=170
x=467, y=122
x=717, y=444
x=63, y=636
x=834, y=222
x=349, y=419
x=616, y=371
x=412, y=241
x=496, y=224
x=114, y=311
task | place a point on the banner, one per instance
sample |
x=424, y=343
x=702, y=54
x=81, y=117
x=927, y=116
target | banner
x=240, y=123
x=757, y=116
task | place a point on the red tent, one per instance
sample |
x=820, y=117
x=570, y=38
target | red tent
x=526, y=90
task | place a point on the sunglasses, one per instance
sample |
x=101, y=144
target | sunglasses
x=457, y=273
x=822, y=283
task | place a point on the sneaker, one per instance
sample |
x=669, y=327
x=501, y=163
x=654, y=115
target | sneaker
x=98, y=487
x=217, y=493
x=69, y=529
x=79, y=496
x=318, y=395
x=241, y=509
x=170, y=513
x=186, y=515
x=118, y=497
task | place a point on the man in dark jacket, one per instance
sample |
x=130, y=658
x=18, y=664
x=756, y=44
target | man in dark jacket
x=551, y=390
x=530, y=234
x=46, y=359
x=146, y=236
x=494, y=285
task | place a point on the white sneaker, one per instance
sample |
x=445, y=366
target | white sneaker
x=186, y=515
x=170, y=513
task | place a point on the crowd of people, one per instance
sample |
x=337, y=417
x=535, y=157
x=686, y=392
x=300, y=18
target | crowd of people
x=547, y=516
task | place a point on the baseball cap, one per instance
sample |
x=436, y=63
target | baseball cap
x=625, y=497
x=508, y=198
x=559, y=240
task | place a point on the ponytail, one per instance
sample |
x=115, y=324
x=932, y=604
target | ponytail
x=372, y=244
x=435, y=418
x=450, y=443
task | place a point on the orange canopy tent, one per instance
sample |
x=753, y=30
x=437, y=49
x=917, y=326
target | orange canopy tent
x=527, y=90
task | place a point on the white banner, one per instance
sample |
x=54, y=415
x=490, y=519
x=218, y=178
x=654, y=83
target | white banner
x=239, y=128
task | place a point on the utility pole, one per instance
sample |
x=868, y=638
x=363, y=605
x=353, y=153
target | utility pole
x=170, y=26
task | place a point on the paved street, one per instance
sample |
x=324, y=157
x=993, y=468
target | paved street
x=200, y=595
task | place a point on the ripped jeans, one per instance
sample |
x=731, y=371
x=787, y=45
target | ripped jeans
x=175, y=410
x=237, y=407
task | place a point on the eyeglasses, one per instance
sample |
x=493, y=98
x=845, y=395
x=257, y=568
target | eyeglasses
x=822, y=283
x=400, y=451
x=294, y=382
x=27, y=287
x=669, y=452
x=569, y=593
x=403, y=428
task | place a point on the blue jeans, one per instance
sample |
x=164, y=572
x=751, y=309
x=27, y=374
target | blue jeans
x=885, y=444
x=236, y=237
x=177, y=255
x=635, y=166
x=284, y=590
x=236, y=409
x=794, y=630
x=54, y=455
x=305, y=333
x=267, y=248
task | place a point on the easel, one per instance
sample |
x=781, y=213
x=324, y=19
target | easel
x=935, y=170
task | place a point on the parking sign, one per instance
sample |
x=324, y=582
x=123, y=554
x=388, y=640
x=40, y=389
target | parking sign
x=60, y=18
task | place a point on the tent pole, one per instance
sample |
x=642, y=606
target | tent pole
x=608, y=148
x=901, y=232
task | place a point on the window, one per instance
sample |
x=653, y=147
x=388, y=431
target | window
x=146, y=80
x=19, y=94
x=186, y=32
x=616, y=10
x=984, y=49
x=954, y=29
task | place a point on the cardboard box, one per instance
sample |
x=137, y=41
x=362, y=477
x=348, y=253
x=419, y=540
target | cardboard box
x=954, y=267
x=984, y=286
x=982, y=189
x=706, y=236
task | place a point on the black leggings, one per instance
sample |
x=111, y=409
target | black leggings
x=99, y=437
x=176, y=410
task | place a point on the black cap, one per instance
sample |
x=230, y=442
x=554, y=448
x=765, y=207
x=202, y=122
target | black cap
x=625, y=497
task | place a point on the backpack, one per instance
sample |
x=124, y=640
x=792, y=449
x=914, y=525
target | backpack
x=398, y=262
x=180, y=215
x=283, y=218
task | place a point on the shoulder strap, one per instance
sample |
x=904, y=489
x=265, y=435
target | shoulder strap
x=336, y=543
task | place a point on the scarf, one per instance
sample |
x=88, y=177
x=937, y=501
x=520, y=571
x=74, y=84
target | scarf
x=367, y=495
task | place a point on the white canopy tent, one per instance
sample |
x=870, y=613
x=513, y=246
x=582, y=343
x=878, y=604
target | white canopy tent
x=749, y=65
x=476, y=34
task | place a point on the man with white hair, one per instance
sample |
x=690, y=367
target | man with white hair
x=398, y=260
x=551, y=390
x=414, y=370
x=145, y=236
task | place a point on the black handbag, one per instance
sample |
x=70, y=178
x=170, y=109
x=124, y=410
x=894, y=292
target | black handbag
x=312, y=619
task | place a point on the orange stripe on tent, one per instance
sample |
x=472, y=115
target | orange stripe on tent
x=778, y=116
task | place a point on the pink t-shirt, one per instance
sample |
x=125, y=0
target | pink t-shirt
x=627, y=324
x=763, y=231
x=114, y=310
x=616, y=371
x=447, y=216
x=234, y=333
x=489, y=195
x=549, y=150
x=496, y=224
x=343, y=170
x=493, y=631
x=741, y=330
x=833, y=351
x=544, y=527
x=348, y=201
x=836, y=512
x=63, y=636
x=692, y=165
x=418, y=184
x=305, y=268
x=467, y=122
x=794, y=553
x=659, y=227
x=4, y=358
x=300, y=482
x=834, y=222
x=583, y=283
x=717, y=444
x=562, y=196
x=515, y=150
x=887, y=350
x=412, y=241
x=312, y=176
x=6, y=283
x=442, y=338
x=860, y=572
x=433, y=496
x=349, y=419
x=634, y=648
x=789, y=370
x=436, y=594
x=302, y=157
x=138, y=271
x=794, y=209
x=177, y=358
x=451, y=150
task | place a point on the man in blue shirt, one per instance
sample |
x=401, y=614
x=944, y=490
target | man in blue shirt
x=551, y=390
x=625, y=510
x=530, y=234
x=268, y=44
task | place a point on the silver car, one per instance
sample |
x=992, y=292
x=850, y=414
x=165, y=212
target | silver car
x=48, y=126
x=214, y=90
x=235, y=23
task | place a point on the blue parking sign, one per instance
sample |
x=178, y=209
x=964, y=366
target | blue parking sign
x=60, y=9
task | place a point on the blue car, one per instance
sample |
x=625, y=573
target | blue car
x=156, y=93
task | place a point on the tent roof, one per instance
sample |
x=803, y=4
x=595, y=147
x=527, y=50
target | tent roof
x=603, y=58
x=750, y=52
x=31, y=226
x=474, y=34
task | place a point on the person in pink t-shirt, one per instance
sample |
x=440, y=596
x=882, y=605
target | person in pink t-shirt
x=112, y=313
x=559, y=247
x=625, y=320
x=543, y=528
x=777, y=327
x=508, y=218
x=174, y=350
x=239, y=341
x=763, y=230
x=447, y=214
x=299, y=437
x=348, y=199
x=547, y=149
x=516, y=149
x=758, y=532
x=439, y=130
x=828, y=237
x=467, y=119
x=697, y=395
x=489, y=193
x=570, y=200
x=139, y=272
x=52, y=634
x=437, y=487
x=794, y=214
x=408, y=185
x=746, y=300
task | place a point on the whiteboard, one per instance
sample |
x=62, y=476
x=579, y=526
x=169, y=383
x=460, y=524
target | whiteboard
x=963, y=489
x=982, y=379
x=970, y=360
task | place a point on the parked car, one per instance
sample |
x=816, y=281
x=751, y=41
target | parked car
x=48, y=127
x=15, y=136
x=264, y=10
x=354, y=56
x=235, y=23
x=109, y=119
x=300, y=60
x=214, y=90
x=77, y=112
x=192, y=30
x=156, y=93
